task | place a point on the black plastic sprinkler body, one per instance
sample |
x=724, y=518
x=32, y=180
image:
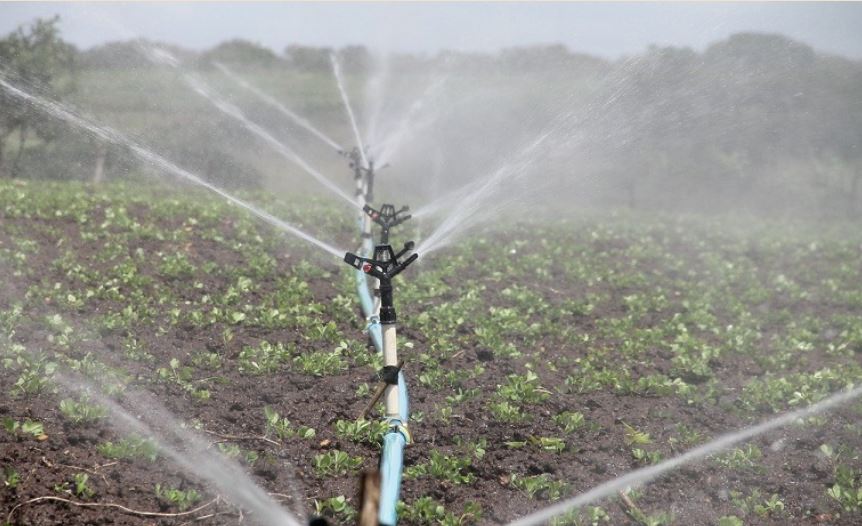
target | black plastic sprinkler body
x=384, y=266
x=387, y=218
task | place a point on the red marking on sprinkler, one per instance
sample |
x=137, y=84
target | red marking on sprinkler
x=366, y=267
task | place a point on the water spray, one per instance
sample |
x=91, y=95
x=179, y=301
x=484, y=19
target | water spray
x=104, y=133
x=303, y=122
x=385, y=265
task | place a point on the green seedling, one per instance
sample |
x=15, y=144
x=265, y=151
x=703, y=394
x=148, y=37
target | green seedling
x=281, y=428
x=847, y=489
x=82, y=490
x=335, y=507
x=635, y=437
x=130, y=448
x=181, y=499
x=82, y=411
x=362, y=431
x=540, y=486
x=426, y=511
x=335, y=463
x=11, y=478
x=569, y=420
x=444, y=467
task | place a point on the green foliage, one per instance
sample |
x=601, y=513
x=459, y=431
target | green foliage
x=281, y=428
x=321, y=363
x=130, y=448
x=263, y=359
x=335, y=507
x=29, y=427
x=428, y=512
x=361, y=430
x=540, y=486
x=181, y=499
x=82, y=411
x=11, y=478
x=569, y=420
x=740, y=458
x=82, y=489
x=335, y=463
x=451, y=468
x=847, y=489
x=523, y=389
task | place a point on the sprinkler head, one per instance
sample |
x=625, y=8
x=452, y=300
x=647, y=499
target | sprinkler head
x=384, y=265
x=387, y=218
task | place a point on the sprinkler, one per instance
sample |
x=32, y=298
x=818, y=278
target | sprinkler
x=387, y=218
x=363, y=175
x=385, y=265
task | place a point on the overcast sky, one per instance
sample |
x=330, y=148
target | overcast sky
x=606, y=29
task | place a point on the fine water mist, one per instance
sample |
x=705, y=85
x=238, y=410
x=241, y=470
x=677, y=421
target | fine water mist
x=62, y=112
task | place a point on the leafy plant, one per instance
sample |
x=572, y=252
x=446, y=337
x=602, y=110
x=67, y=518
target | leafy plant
x=361, y=430
x=181, y=499
x=82, y=490
x=130, y=447
x=82, y=411
x=569, y=420
x=540, y=486
x=335, y=462
x=281, y=428
x=445, y=467
x=335, y=507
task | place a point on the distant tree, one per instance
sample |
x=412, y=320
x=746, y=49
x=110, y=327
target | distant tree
x=38, y=59
x=355, y=59
x=127, y=55
x=308, y=58
x=240, y=51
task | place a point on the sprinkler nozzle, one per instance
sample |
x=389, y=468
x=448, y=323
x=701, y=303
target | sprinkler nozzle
x=384, y=265
x=387, y=217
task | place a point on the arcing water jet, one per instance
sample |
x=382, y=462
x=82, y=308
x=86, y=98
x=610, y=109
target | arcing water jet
x=336, y=70
x=160, y=56
x=644, y=475
x=107, y=134
x=197, y=457
x=278, y=105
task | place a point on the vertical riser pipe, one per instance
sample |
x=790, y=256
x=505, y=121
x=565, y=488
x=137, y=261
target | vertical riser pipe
x=390, y=358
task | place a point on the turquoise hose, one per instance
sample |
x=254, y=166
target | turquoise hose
x=391, y=464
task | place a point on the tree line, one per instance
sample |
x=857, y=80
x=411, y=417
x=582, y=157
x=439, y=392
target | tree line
x=754, y=119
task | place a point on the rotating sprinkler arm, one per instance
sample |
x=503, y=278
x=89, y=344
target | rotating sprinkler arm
x=384, y=265
x=387, y=218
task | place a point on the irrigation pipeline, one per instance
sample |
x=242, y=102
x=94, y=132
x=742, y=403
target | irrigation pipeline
x=383, y=335
x=644, y=475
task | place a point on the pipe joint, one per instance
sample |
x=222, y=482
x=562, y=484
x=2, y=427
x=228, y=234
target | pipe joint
x=397, y=426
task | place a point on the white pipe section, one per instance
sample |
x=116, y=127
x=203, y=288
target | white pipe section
x=390, y=358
